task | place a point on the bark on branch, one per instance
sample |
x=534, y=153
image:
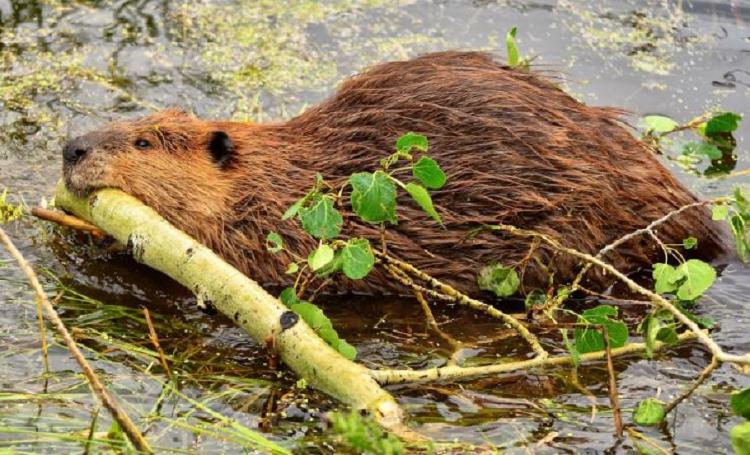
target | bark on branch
x=155, y=242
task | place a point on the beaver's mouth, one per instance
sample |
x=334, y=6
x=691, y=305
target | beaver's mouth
x=78, y=190
x=81, y=181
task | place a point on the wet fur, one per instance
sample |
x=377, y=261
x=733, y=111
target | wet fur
x=516, y=150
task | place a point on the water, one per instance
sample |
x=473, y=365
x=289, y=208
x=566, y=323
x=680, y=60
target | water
x=68, y=67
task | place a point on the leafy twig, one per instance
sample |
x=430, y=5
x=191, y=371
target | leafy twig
x=458, y=297
x=609, y=247
x=656, y=299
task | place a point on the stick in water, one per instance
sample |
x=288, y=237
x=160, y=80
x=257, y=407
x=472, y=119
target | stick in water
x=127, y=425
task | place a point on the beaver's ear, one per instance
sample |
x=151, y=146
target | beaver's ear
x=221, y=148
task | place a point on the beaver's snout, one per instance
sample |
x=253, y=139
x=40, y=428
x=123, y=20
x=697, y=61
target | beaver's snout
x=76, y=149
x=85, y=160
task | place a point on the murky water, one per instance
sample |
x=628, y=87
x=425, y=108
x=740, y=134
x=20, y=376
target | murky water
x=66, y=67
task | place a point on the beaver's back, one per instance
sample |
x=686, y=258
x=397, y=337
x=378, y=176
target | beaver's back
x=516, y=150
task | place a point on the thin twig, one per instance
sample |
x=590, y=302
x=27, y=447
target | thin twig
x=613, y=398
x=390, y=376
x=68, y=220
x=701, y=379
x=43, y=336
x=127, y=425
x=457, y=346
x=155, y=341
x=317, y=290
x=463, y=299
x=573, y=379
x=629, y=236
x=404, y=279
x=92, y=430
x=655, y=298
x=738, y=173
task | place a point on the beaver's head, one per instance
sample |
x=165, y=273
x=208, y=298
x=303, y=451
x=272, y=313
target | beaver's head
x=147, y=153
x=175, y=163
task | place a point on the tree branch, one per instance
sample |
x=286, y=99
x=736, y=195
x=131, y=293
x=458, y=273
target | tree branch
x=386, y=377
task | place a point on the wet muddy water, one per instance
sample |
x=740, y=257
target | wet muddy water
x=67, y=67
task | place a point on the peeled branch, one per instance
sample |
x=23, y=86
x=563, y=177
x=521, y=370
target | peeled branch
x=155, y=242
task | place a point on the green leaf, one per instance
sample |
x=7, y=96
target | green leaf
x=737, y=224
x=740, y=436
x=666, y=278
x=535, y=298
x=319, y=322
x=591, y=339
x=690, y=243
x=292, y=268
x=329, y=335
x=333, y=266
x=588, y=340
x=741, y=403
x=409, y=141
x=501, y=280
x=358, y=259
x=719, y=212
x=650, y=412
x=618, y=334
x=600, y=314
x=274, y=243
x=741, y=200
x=8, y=211
x=346, y=349
x=702, y=148
x=321, y=219
x=514, y=56
x=668, y=335
x=312, y=315
x=722, y=122
x=427, y=171
x=288, y=296
x=293, y=209
x=320, y=257
x=422, y=197
x=650, y=329
x=373, y=197
x=660, y=123
x=658, y=326
x=699, y=276
x=362, y=435
x=702, y=321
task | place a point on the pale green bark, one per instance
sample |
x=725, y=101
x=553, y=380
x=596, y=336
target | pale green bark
x=156, y=243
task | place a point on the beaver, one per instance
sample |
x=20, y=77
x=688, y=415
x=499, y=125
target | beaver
x=515, y=148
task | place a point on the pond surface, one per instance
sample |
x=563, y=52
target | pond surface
x=67, y=67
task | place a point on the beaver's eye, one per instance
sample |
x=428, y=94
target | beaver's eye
x=142, y=144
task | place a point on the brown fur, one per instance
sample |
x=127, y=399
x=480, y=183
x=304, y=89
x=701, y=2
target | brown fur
x=516, y=150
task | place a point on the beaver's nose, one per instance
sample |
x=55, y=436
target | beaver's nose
x=75, y=150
